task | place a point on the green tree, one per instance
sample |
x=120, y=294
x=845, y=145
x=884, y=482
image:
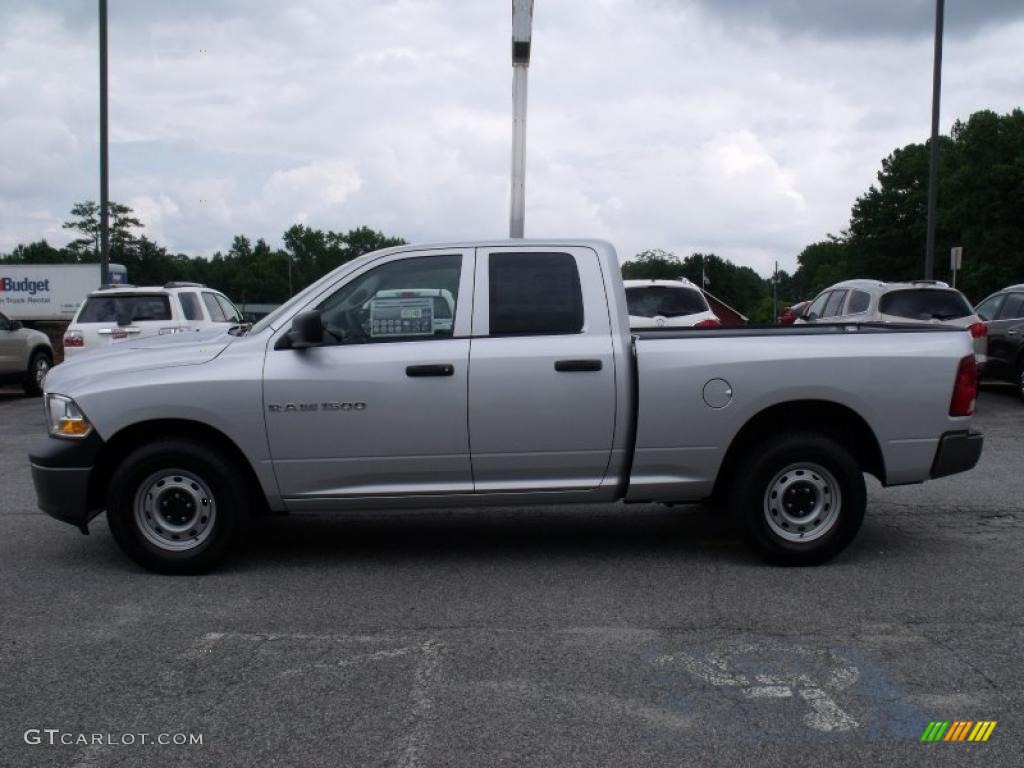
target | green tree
x=39, y=252
x=86, y=220
x=980, y=207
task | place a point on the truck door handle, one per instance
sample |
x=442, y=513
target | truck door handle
x=442, y=369
x=576, y=366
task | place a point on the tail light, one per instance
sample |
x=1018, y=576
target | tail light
x=965, y=390
x=711, y=322
x=978, y=330
x=74, y=339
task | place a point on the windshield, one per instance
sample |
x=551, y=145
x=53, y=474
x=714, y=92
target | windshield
x=125, y=308
x=925, y=304
x=664, y=301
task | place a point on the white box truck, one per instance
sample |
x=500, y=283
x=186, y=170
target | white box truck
x=48, y=292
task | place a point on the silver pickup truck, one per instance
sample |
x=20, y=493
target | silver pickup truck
x=356, y=393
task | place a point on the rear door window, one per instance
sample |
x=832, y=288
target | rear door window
x=1013, y=307
x=664, y=301
x=190, y=305
x=859, y=303
x=835, y=304
x=214, y=308
x=925, y=304
x=534, y=293
x=125, y=308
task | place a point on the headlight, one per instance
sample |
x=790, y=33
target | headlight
x=65, y=418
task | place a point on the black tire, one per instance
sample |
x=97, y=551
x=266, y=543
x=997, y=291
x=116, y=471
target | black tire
x=40, y=362
x=800, y=524
x=184, y=465
x=1020, y=379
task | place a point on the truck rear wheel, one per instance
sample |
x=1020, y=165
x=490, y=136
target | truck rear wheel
x=801, y=498
x=175, y=506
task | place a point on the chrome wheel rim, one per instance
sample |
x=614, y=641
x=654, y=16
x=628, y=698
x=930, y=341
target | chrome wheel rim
x=802, y=502
x=175, y=510
x=42, y=368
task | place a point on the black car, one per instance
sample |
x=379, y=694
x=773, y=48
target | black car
x=1003, y=313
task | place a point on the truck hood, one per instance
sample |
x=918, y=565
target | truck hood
x=142, y=354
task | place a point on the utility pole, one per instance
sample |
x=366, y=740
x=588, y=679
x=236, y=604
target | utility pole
x=522, y=30
x=933, y=162
x=775, y=293
x=104, y=156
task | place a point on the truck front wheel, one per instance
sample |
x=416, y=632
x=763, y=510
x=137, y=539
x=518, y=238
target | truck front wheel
x=175, y=506
x=801, y=498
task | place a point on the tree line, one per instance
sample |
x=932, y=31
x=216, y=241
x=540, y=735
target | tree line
x=981, y=208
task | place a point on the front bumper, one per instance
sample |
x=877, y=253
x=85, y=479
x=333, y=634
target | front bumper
x=957, y=452
x=60, y=472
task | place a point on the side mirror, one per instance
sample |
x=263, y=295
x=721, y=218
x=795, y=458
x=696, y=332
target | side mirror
x=16, y=325
x=307, y=331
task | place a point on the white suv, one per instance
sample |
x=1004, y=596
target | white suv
x=114, y=314
x=667, y=304
x=918, y=301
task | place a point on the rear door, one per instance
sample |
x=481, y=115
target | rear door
x=542, y=372
x=107, y=318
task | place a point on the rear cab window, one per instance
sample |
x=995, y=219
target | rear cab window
x=534, y=294
x=664, y=301
x=125, y=308
x=925, y=304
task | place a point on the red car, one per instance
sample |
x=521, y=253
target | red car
x=790, y=314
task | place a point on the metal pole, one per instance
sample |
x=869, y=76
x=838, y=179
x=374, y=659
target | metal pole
x=933, y=165
x=104, y=157
x=522, y=31
x=518, y=214
x=775, y=293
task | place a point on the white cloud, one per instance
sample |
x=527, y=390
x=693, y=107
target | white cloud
x=653, y=124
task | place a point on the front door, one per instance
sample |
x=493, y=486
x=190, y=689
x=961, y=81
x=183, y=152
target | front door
x=542, y=371
x=1005, y=335
x=379, y=409
x=10, y=348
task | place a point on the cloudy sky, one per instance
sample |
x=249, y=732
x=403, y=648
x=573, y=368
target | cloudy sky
x=743, y=127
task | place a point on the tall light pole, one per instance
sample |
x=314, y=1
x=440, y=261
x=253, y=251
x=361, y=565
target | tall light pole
x=104, y=159
x=522, y=30
x=933, y=161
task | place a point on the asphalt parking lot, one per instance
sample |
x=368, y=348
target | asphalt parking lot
x=607, y=636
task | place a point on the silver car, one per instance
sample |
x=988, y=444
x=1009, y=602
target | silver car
x=918, y=301
x=25, y=356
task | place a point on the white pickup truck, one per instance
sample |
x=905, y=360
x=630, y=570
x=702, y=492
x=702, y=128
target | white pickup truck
x=353, y=395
